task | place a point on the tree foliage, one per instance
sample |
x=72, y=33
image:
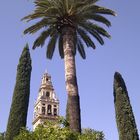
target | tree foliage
x=58, y=131
x=20, y=100
x=2, y=136
x=124, y=114
x=55, y=15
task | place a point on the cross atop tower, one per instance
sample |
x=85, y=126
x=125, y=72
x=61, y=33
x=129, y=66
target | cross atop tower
x=47, y=104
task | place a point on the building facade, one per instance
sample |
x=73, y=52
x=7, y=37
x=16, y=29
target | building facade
x=47, y=104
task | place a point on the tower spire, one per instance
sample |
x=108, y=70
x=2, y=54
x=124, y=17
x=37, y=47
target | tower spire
x=46, y=71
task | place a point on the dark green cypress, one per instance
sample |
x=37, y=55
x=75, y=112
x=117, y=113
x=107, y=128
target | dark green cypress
x=20, y=100
x=124, y=115
x=2, y=136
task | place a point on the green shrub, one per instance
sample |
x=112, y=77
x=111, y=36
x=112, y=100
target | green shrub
x=58, y=131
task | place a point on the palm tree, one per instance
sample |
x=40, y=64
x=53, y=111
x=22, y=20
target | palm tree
x=71, y=23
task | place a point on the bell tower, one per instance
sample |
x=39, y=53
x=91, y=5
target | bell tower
x=47, y=104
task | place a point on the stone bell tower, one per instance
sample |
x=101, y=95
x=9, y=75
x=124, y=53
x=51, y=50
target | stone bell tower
x=47, y=104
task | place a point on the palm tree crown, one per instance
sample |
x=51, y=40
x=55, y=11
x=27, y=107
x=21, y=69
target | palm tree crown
x=81, y=15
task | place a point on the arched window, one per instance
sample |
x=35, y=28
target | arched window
x=49, y=111
x=55, y=111
x=43, y=110
x=47, y=94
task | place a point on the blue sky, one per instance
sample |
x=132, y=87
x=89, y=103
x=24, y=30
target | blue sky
x=95, y=74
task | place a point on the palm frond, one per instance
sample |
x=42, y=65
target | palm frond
x=93, y=32
x=39, y=25
x=86, y=38
x=97, y=36
x=75, y=6
x=42, y=3
x=90, y=1
x=83, y=9
x=44, y=9
x=75, y=42
x=51, y=46
x=67, y=5
x=103, y=10
x=52, y=11
x=97, y=17
x=81, y=49
x=91, y=26
x=78, y=5
x=61, y=50
x=101, y=30
x=33, y=16
x=41, y=39
x=71, y=5
x=59, y=5
x=92, y=8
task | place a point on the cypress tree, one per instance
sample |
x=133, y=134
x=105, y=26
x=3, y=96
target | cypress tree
x=20, y=100
x=2, y=136
x=124, y=115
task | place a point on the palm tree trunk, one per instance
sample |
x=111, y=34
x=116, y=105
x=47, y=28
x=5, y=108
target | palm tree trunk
x=73, y=102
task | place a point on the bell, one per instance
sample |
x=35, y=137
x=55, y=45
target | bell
x=49, y=111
